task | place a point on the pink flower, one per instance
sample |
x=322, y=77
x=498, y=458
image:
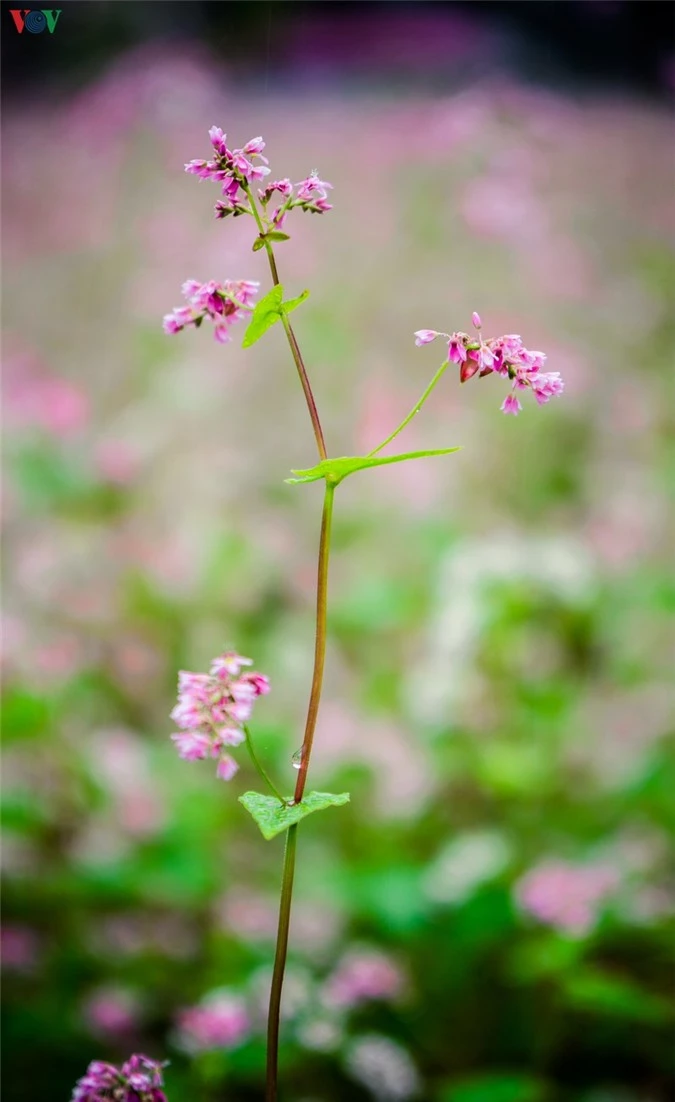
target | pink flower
x=511, y=404
x=547, y=385
x=230, y=736
x=312, y=195
x=218, y=140
x=255, y=145
x=223, y=303
x=457, y=347
x=199, y=168
x=219, y=1021
x=284, y=187
x=226, y=768
x=229, y=665
x=475, y=321
x=212, y=708
x=312, y=185
x=192, y=745
x=425, y=336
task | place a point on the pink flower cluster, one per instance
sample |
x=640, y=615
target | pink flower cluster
x=220, y=1020
x=505, y=356
x=138, y=1080
x=311, y=195
x=223, y=303
x=212, y=709
x=566, y=896
x=233, y=168
x=237, y=169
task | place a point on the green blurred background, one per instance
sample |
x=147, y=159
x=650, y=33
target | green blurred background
x=490, y=920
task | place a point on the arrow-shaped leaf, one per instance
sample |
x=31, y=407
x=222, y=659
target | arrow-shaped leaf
x=334, y=470
x=269, y=311
x=264, y=316
x=273, y=818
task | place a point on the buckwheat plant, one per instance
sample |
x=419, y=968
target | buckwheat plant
x=214, y=708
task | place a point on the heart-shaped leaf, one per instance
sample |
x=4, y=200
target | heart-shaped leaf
x=269, y=311
x=334, y=470
x=274, y=818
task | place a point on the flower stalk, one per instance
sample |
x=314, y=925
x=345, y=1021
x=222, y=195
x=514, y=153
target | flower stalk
x=281, y=950
x=290, y=335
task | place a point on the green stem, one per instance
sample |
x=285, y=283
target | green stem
x=315, y=693
x=261, y=770
x=416, y=408
x=289, y=859
x=290, y=335
x=319, y=640
x=280, y=965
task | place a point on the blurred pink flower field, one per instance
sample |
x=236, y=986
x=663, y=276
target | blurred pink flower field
x=498, y=693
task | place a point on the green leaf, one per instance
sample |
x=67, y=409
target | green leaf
x=273, y=235
x=264, y=316
x=294, y=302
x=273, y=818
x=334, y=470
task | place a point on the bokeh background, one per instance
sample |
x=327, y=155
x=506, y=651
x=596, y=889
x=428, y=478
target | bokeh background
x=488, y=921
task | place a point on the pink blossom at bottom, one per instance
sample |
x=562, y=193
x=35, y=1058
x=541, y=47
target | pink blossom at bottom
x=213, y=707
x=138, y=1080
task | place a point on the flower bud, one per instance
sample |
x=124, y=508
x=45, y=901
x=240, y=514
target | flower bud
x=468, y=369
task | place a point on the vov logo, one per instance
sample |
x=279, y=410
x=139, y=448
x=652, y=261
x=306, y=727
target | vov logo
x=35, y=21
